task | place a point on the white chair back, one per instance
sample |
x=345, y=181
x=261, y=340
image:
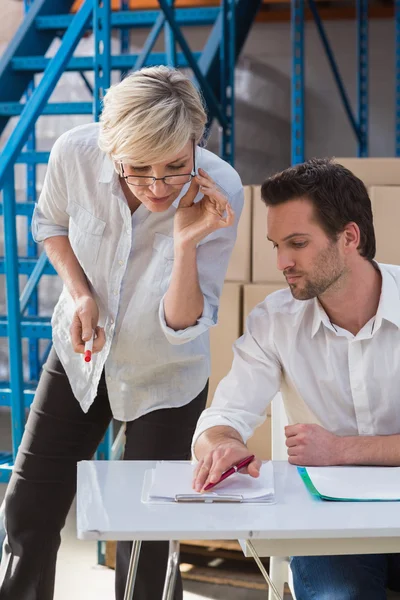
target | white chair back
x=278, y=423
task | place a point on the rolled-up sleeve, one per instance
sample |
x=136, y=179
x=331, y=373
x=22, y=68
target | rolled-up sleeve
x=242, y=397
x=213, y=255
x=50, y=217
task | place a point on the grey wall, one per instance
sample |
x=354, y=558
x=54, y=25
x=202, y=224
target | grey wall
x=263, y=96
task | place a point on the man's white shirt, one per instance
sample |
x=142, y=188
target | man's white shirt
x=350, y=385
x=128, y=261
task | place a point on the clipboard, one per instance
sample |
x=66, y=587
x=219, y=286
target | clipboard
x=211, y=497
x=183, y=498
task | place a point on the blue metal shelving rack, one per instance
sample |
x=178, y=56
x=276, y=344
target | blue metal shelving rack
x=45, y=20
x=358, y=121
x=397, y=74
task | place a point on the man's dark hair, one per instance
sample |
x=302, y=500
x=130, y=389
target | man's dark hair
x=337, y=195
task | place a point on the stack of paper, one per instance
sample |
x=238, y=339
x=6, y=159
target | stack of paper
x=172, y=482
x=353, y=483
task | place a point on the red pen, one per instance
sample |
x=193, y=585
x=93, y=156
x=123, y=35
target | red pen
x=89, y=349
x=234, y=469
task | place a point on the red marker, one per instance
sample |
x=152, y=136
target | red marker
x=89, y=348
x=240, y=465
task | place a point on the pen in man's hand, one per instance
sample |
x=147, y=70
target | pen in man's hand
x=234, y=469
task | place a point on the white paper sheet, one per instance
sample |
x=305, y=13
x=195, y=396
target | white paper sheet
x=170, y=479
x=356, y=483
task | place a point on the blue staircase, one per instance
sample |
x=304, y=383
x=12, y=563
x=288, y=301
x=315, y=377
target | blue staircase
x=27, y=56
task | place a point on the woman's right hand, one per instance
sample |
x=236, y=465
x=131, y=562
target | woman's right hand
x=84, y=321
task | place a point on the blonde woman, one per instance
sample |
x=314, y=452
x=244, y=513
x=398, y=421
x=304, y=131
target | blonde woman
x=139, y=222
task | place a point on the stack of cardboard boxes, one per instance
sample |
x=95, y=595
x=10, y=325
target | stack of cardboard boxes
x=252, y=273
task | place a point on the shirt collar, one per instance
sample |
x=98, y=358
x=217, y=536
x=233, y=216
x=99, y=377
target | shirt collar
x=389, y=302
x=319, y=317
x=388, y=308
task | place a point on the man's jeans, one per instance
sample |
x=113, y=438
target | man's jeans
x=354, y=577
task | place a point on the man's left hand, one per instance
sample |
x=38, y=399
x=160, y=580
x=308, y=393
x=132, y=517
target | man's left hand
x=312, y=445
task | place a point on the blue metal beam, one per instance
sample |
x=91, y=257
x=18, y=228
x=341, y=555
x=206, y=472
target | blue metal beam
x=33, y=158
x=227, y=65
x=6, y=466
x=30, y=328
x=209, y=62
x=37, y=64
x=298, y=75
x=32, y=248
x=102, y=52
x=22, y=208
x=335, y=70
x=397, y=74
x=149, y=43
x=13, y=328
x=124, y=34
x=362, y=76
x=45, y=88
x=137, y=19
x=32, y=283
x=169, y=37
x=26, y=266
x=27, y=37
x=207, y=91
x=55, y=108
x=6, y=394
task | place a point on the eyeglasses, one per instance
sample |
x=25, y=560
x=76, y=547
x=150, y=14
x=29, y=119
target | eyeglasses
x=145, y=181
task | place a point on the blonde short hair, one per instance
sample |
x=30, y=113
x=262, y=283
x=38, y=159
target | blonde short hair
x=151, y=113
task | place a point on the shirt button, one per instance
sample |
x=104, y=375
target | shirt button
x=112, y=321
x=115, y=292
x=109, y=378
x=128, y=232
x=121, y=262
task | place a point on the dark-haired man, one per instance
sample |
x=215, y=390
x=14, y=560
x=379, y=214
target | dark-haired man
x=331, y=344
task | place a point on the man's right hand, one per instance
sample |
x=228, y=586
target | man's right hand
x=226, y=454
x=84, y=321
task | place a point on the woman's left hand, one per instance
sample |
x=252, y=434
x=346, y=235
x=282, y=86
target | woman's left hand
x=193, y=222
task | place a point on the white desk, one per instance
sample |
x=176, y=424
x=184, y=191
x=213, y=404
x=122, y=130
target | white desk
x=109, y=507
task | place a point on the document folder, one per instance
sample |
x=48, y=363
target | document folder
x=353, y=484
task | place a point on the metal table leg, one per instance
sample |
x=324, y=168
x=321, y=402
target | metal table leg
x=263, y=570
x=172, y=570
x=133, y=566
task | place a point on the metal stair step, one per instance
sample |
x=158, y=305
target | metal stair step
x=33, y=158
x=26, y=265
x=5, y=398
x=31, y=327
x=135, y=19
x=12, y=109
x=6, y=466
x=38, y=64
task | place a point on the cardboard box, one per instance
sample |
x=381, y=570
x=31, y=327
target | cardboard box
x=264, y=267
x=225, y=334
x=260, y=443
x=386, y=210
x=374, y=171
x=253, y=294
x=239, y=268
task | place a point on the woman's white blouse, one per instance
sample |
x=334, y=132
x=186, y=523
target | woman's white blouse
x=128, y=261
